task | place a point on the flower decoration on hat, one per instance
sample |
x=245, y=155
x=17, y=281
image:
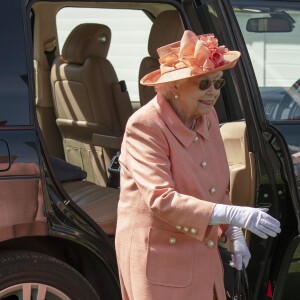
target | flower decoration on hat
x=197, y=53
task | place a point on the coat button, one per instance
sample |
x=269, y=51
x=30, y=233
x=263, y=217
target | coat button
x=172, y=241
x=210, y=244
x=203, y=164
x=196, y=139
x=194, y=231
x=178, y=227
x=212, y=190
x=186, y=229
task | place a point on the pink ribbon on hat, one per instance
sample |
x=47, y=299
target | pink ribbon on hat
x=198, y=53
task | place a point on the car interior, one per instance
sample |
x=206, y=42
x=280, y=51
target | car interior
x=82, y=107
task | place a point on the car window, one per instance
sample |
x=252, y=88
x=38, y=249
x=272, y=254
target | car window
x=13, y=76
x=272, y=35
x=129, y=42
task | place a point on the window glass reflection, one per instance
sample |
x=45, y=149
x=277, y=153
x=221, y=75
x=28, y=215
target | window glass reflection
x=13, y=75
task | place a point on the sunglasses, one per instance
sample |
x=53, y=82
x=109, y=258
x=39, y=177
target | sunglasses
x=206, y=83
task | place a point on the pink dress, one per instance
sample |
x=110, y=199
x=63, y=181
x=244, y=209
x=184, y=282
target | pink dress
x=171, y=178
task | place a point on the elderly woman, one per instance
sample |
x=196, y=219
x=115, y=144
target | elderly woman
x=174, y=203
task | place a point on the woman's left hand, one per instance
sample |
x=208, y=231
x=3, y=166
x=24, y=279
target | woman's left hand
x=240, y=252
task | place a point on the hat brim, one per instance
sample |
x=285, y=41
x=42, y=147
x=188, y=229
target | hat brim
x=155, y=77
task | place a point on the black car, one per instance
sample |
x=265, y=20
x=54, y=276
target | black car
x=69, y=80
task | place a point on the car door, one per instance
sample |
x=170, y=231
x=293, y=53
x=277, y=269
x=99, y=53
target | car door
x=20, y=179
x=273, y=270
x=271, y=33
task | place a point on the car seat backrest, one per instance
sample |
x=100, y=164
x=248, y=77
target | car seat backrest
x=167, y=28
x=88, y=99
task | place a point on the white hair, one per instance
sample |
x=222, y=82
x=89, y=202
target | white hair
x=169, y=89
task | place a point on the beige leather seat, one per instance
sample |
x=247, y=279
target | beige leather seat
x=167, y=28
x=100, y=203
x=91, y=109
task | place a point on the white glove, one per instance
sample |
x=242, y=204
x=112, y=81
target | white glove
x=239, y=249
x=253, y=219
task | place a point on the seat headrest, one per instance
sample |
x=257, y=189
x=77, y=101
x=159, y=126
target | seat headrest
x=167, y=28
x=86, y=40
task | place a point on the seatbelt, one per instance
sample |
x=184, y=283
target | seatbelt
x=50, y=49
x=122, y=102
x=50, y=55
x=124, y=111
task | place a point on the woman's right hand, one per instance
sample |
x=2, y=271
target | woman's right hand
x=254, y=219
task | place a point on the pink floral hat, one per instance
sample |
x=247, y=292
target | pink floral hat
x=192, y=56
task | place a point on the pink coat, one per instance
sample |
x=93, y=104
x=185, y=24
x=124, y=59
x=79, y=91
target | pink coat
x=171, y=178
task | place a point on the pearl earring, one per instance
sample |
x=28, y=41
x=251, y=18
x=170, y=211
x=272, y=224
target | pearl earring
x=176, y=96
